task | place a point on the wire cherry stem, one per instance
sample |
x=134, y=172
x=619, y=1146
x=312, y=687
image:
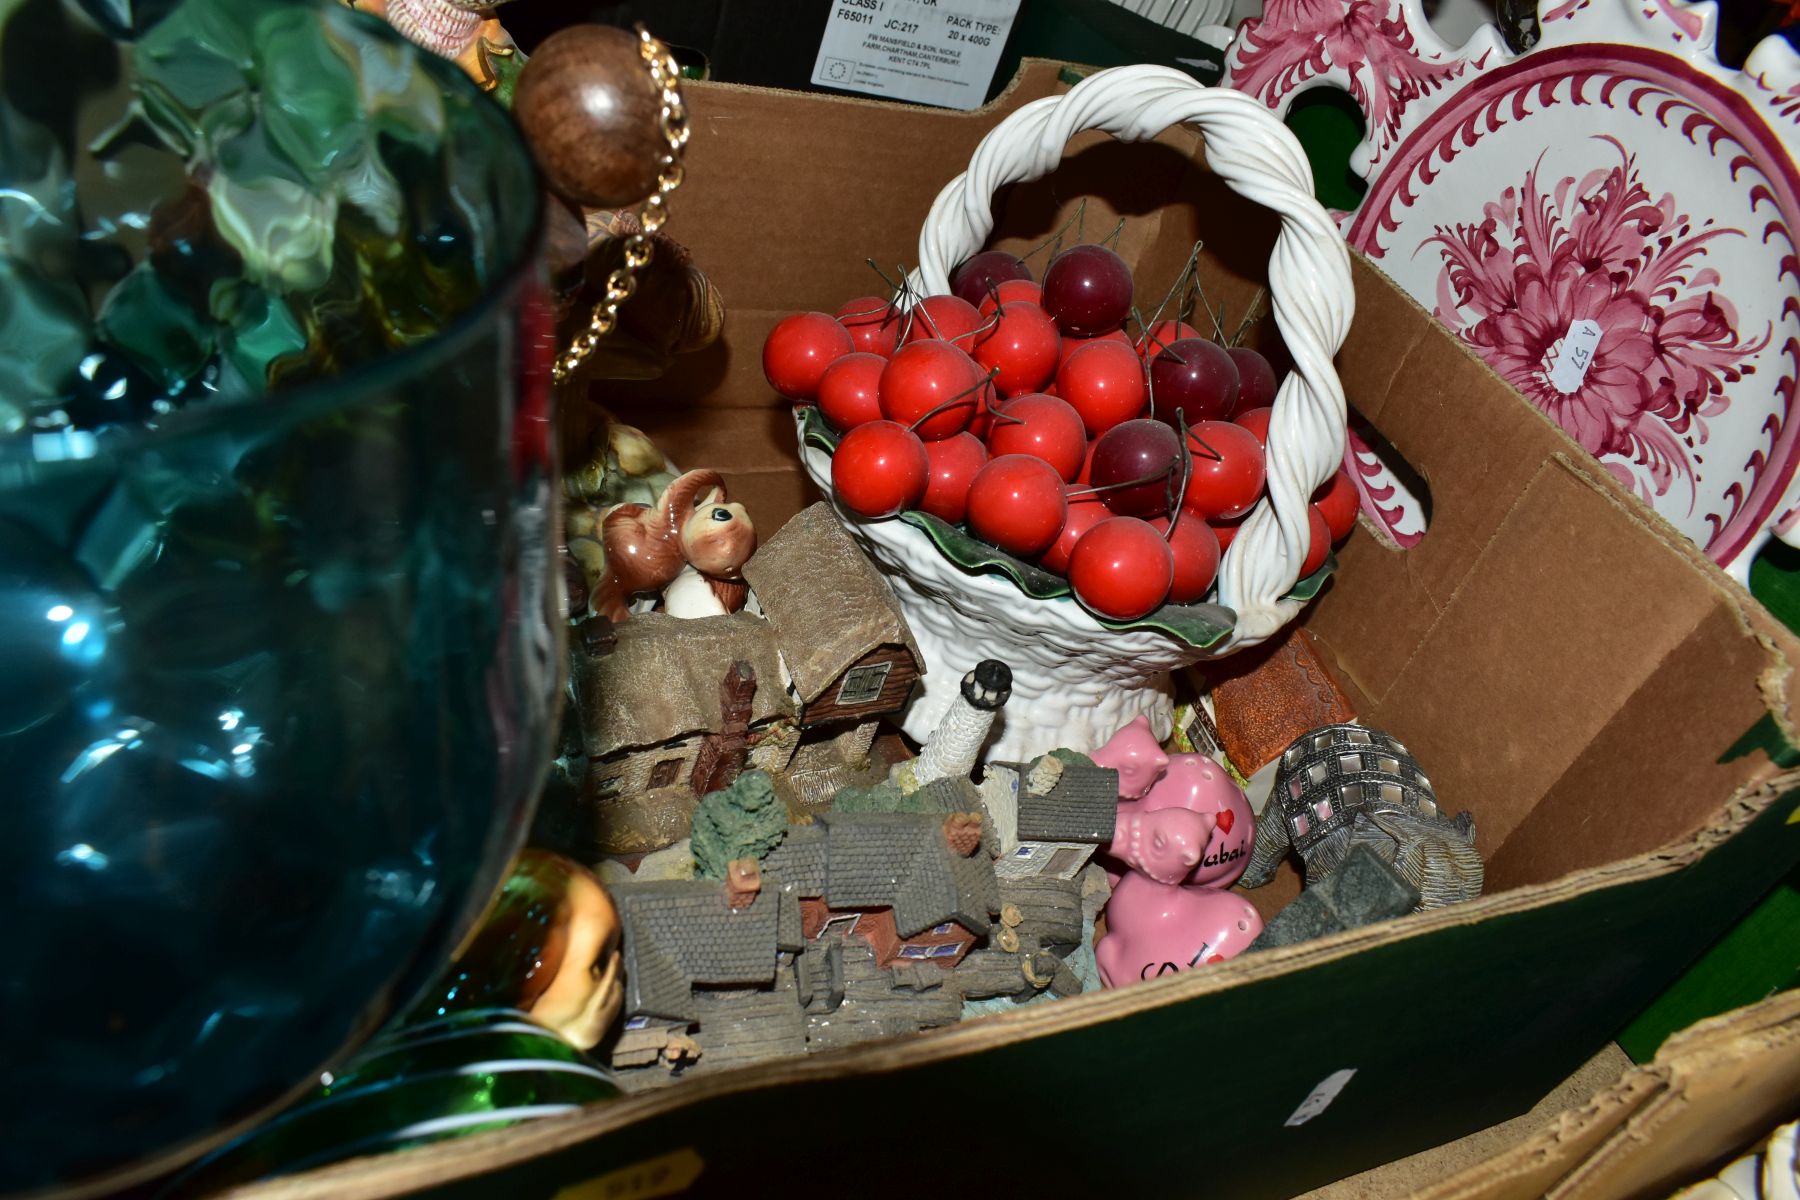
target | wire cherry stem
x=1187, y=473
x=1096, y=488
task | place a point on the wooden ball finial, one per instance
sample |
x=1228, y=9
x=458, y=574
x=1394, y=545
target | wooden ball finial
x=591, y=113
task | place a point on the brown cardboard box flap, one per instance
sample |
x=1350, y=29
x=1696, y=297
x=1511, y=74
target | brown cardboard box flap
x=1565, y=666
x=1543, y=598
x=1712, y=1089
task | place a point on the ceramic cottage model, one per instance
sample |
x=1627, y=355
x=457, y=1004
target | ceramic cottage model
x=670, y=708
x=849, y=655
x=1345, y=786
x=857, y=926
x=914, y=886
x=1065, y=812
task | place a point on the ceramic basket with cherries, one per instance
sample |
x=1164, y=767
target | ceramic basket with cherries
x=1046, y=472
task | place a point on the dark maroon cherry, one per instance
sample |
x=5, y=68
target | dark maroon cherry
x=1195, y=377
x=982, y=272
x=1256, y=379
x=1087, y=291
x=1140, y=449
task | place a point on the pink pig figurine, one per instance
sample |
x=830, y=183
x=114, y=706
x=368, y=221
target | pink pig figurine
x=1136, y=755
x=1184, y=842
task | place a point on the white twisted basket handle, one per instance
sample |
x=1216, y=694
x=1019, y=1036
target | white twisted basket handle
x=1309, y=280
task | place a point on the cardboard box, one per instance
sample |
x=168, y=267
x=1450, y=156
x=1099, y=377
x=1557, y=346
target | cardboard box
x=1566, y=666
x=1712, y=1091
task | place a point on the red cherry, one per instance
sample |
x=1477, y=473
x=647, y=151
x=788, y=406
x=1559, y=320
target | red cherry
x=1086, y=474
x=1024, y=346
x=1104, y=381
x=1162, y=335
x=1011, y=290
x=1071, y=344
x=1227, y=476
x=923, y=375
x=874, y=324
x=1194, y=377
x=1047, y=428
x=880, y=469
x=1225, y=529
x=1256, y=378
x=1085, y=512
x=1256, y=420
x=1087, y=290
x=849, y=394
x=954, y=462
x=1017, y=503
x=799, y=349
x=948, y=317
x=1320, y=545
x=1196, y=550
x=982, y=424
x=1139, y=449
x=980, y=273
x=1122, y=568
x=1337, y=502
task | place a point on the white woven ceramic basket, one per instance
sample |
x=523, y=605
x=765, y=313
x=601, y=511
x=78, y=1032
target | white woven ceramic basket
x=1074, y=681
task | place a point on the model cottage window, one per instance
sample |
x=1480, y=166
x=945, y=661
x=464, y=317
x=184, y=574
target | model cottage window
x=862, y=685
x=665, y=773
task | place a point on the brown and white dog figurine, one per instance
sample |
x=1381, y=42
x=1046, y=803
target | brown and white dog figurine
x=692, y=524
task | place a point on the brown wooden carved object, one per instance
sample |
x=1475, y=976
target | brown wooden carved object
x=692, y=524
x=587, y=105
x=722, y=754
x=1265, y=697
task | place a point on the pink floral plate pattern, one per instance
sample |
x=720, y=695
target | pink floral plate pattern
x=1608, y=219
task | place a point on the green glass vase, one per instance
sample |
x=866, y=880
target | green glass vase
x=278, y=635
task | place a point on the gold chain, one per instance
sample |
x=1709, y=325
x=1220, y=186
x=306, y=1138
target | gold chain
x=620, y=285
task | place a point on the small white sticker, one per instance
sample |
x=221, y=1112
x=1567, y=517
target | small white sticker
x=940, y=52
x=1576, y=356
x=1321, y=1097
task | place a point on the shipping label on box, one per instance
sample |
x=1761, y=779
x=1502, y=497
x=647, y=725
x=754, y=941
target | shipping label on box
x=940, y=52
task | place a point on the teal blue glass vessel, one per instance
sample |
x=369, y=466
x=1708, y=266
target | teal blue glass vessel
x=279, y=646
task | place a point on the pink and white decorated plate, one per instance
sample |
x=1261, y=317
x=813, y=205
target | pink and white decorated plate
x=1608, y=219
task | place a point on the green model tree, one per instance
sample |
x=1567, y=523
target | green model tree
x=745, y=820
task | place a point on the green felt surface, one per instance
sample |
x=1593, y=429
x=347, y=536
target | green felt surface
x=1329, y=126
x=1761, y=956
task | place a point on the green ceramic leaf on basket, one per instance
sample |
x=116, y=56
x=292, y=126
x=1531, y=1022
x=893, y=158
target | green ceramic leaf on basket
x=977, y=556
x=815, y=432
